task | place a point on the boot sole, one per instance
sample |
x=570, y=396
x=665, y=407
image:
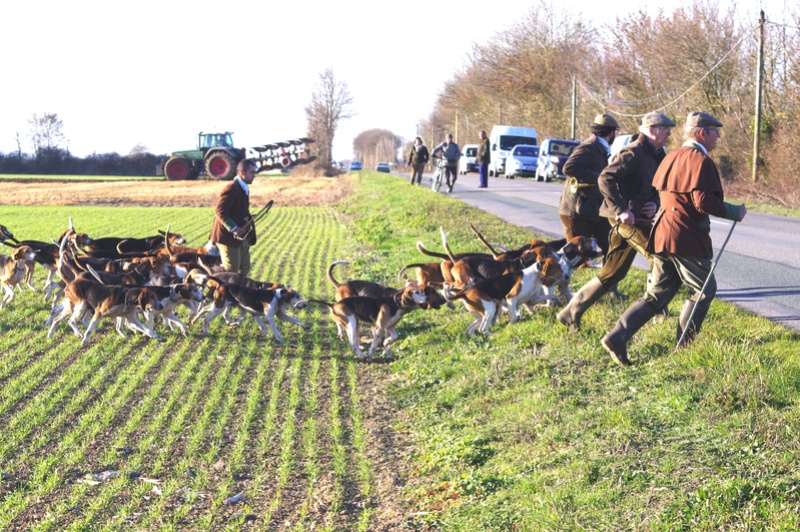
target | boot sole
x=623, y=362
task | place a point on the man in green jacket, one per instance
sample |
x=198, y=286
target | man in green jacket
x=629, y=202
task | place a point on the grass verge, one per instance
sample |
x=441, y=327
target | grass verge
x=535, y=429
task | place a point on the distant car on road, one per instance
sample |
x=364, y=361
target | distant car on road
x=522, y=161
x=553, y=153
x=383, y=167
x=354, y=166
x=468, y=161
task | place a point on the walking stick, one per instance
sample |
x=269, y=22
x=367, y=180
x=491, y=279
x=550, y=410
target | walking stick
x=702, y=290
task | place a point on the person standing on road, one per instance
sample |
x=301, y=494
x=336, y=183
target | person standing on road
x=483, y=158
x=690, y=188
x=579, y=210
x=233, y=230
x=450, y=151
x=629, y=202
x=417, y=158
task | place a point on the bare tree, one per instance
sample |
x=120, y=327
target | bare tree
x=330, y=104
x=46, y=132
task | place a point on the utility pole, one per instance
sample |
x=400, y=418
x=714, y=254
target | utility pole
x=757, y=132
x=574, y=106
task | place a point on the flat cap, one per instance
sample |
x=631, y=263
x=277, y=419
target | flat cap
x=700, y=119
x=656, y=119
x=606, y=120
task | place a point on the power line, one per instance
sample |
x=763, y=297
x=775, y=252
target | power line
x=604, y=101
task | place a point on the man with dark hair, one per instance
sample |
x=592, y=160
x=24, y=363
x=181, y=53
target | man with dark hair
x=417, y=159
x=689, y=185
x=233, y=230
x=579, y=208
x=483, y=158
x=450, y=151
x=629, y=202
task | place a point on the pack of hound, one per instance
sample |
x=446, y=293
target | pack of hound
x=143, y=282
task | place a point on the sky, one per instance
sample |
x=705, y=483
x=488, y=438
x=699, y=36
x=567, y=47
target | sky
x=156, y=73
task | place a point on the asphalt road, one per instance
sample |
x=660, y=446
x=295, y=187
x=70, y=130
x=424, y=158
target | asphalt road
x=758, y=271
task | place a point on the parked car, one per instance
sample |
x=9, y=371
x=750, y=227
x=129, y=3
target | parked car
x=619, y=142
x=553, y=153
x=522, y=161
x=383, y=167
x=502, y=139
x=468, y=161
x=354, y=166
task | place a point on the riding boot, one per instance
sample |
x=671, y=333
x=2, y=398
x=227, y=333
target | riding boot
x=693, y=327
x=582, y=300
x=633, y=319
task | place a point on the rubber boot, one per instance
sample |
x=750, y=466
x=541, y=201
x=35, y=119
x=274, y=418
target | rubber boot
x=694, y=327
x=582, y=300
x=633, y=319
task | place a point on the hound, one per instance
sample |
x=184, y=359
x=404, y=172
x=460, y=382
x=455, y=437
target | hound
x=12, y=270
x=382, y=314
x=82, y=296
x=263, y=305
x=485, y=297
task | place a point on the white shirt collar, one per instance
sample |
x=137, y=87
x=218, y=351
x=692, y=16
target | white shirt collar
x=693, y=144
x=243, y=185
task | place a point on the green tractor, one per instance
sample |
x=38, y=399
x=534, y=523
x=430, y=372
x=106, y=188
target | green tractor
x=217, y=155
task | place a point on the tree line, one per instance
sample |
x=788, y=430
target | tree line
x=699, y=57
x=51, y=155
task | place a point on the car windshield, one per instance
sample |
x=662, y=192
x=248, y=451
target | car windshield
x=471, y=152
x=527, y=151
x=509, y=141
x=562, y=148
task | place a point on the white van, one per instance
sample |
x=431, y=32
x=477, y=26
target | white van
x=467, y=163
x=503, y=139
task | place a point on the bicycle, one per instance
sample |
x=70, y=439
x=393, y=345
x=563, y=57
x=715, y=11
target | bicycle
x=438, y=175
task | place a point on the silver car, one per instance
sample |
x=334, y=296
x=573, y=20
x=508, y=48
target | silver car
x=522, y=161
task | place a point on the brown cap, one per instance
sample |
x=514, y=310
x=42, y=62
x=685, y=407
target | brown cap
x=656, y=119
x=606, y=120
x=700, y=119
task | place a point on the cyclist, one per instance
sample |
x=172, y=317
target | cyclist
x=450, y=151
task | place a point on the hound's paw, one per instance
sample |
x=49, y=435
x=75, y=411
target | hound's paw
x=305, y=325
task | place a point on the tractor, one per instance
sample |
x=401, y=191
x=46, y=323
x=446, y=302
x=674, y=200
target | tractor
x=217, y=155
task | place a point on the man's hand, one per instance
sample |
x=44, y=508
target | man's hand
x=742, y=212
x=626, y=218
x=649, y=210
x=240, y=232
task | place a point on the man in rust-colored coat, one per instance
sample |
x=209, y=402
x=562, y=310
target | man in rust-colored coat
x=233, y=230
x=689, y=185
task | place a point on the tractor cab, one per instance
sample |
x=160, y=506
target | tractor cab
x=215, y=140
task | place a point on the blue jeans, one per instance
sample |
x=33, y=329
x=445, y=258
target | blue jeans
x=483, y=171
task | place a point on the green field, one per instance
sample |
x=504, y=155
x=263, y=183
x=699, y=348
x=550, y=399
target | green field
x=529, y=429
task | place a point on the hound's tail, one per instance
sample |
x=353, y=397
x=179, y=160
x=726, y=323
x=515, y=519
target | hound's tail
x=429, y=253
x=485, y=243
x=446, y=246
x=317, y=301
x=333, y=281
x=406, y=267
x=451, y=295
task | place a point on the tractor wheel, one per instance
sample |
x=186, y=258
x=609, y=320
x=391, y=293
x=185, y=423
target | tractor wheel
x=178, y=168
x=221, y=166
